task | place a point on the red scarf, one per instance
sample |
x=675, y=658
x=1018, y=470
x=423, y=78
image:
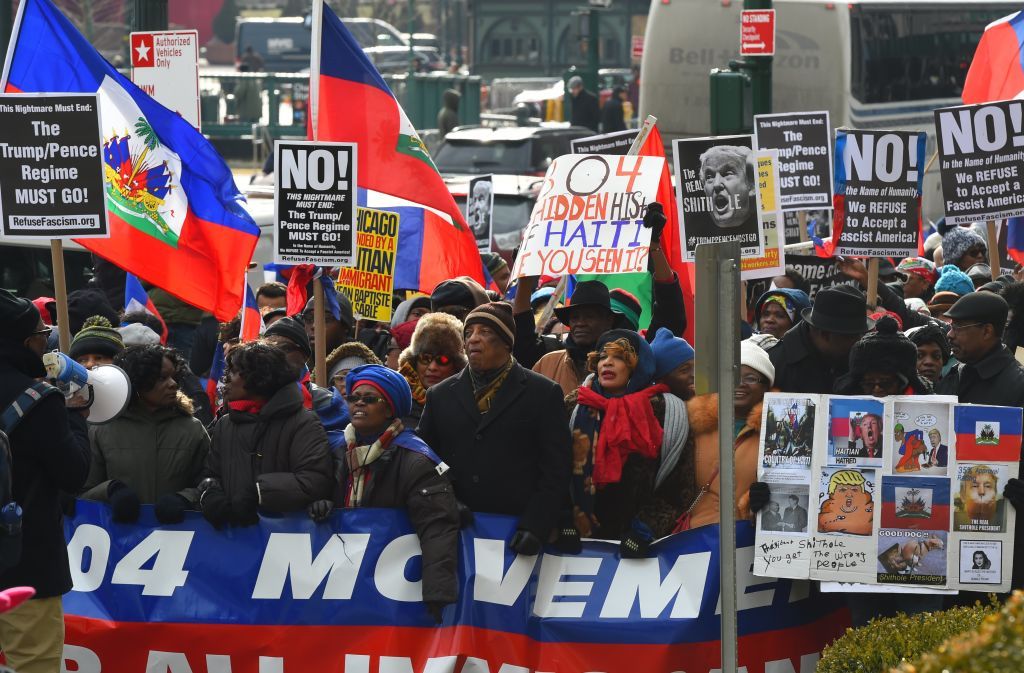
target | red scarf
x=247, y=406
x=628, y=426
x=307, y=396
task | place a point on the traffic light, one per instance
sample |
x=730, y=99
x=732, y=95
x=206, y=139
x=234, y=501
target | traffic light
x=731, y=102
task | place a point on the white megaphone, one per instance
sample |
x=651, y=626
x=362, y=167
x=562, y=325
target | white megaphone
x=104, y=390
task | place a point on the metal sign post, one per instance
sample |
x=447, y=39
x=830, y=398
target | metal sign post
x=717, y=331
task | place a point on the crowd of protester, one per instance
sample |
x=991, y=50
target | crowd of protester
x=580, y=426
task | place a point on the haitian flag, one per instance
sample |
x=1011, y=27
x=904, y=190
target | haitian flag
x=136, y=299
x=1015, y=239
x=291, y=595
x=251, y=321
x=991, y=434
x=351, y=103
x=917, y=503
x=176, y=217
x=997, y=69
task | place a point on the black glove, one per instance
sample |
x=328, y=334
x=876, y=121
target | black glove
x=320, y=510
x=654, y=219
x=1014, y=492
x=637, y=542
x=170, y=508
x=525, y=542
x=760, y=494
x=67, y=504
x=436, y=610
x=465, y=515
x=568, y=540
x=124, y=502
x=216, y=506
x=245, y=508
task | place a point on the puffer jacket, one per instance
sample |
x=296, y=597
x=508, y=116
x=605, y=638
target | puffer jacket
x=154, y=453
x=280, y=453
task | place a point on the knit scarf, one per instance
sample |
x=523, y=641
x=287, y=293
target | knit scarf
x=246, y=406
x=359, y=458
x=623, y=426
x=484, y=391
x=419, y=393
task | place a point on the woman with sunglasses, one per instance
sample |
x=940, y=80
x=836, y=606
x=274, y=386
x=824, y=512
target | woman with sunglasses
x=386, y=465
x=435, y=354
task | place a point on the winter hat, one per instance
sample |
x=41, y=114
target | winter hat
x=349, y=356
x=952, y=279
x=344, y=305
x=886, y=350
x=462, y=292
x=498, y=315
x=983, y=307
x=792, y=300
x=919, y=266
x=493, y=261
x=940, y=303
x=956, y=241
x=387, y=382
x=293, y=330
x=930, y=334
x=757, y=359
x=403, y=333
x=137, y=334
x=669, y=352
x=85, y=303
x=916, y=305
x=97, y=337
x=401, y=314
x=18, y=317
x=541, y=295
x=643, y=374
x=627, y=306
x=47, y=307
x=438, y=334
x=881, y=313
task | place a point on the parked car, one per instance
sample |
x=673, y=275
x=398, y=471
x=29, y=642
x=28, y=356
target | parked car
x=395, y=60
x=514, y=198
x=516, y=150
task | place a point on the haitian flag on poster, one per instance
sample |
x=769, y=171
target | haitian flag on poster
x=987, y=433
x=345, y=596
x=176, y=217
x=916, y=503
x=997, y=69
x=353, y=104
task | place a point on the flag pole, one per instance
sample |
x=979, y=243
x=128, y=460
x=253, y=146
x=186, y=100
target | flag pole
x=319, y=319
x=995, y=266
x=873, y=282
x=60, y=288
x=15, y=32
x=319, y=327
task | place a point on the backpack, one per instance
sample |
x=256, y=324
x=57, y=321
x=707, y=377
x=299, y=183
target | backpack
x=10, y=511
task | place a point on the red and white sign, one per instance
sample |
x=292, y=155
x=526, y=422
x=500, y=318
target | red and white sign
x=757, y=32
x=165, y=64
x=637, y=51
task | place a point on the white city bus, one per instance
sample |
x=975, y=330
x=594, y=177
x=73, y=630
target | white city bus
x=871, y=64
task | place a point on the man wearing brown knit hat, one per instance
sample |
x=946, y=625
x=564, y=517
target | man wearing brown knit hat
x=503, y=430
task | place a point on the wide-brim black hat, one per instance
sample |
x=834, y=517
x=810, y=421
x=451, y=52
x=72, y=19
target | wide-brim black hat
x=841, y=309
x=587, y=293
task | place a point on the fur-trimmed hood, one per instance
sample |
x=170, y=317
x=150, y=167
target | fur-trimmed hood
x=438, y=333
x=703, y=412
x=351, y=349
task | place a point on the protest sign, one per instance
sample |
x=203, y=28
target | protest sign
x=757, y=32
x=900, y=491
x=716, y=190
x=589, y=217
x=804, y=142
x=346, y=595
x=370, y=284
x=617, y=143
x=773, y=261
x=480, y=210
x=165, y=64
x=878, y=181
x=981, y=161
x=314, y=203
x=819, y=272
x=51, y=168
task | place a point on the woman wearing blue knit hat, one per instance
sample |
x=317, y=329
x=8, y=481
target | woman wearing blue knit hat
x=673, y=363
x=386, y=465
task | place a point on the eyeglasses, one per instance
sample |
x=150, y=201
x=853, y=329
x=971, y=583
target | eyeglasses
x=751, y=380
x=957, y=328
x=46, y=331
x=440, y=360
x=368, y=400
x=872, y=384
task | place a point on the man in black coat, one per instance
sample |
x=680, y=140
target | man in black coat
x=503, y=431
x=50, y=448
x=586, y=111
x=812, y=355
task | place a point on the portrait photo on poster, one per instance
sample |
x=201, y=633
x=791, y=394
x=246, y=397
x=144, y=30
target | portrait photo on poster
x=480, y=210
x=912, y=557
x=717, y=195
x=981, y=561
x=786, y=512
x=979, y=506
x=856, y=433
x=846, y=501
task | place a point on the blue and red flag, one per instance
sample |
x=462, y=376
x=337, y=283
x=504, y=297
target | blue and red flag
x=987, y=433
x=997, y=69
x=137, y=299
x=353, y=104
x=917, y=503
x=252, y=322
x=1015, y=239
x=217, y=369
x=176, y=218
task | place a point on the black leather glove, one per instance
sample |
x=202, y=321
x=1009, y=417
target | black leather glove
x=760, y=494
x=637, y=541
x=1014, y=492
x=525, y=542
x=170, y=508
x=245, y=508
x=654, y=219
x=216, y=506
x=320, y=510
x=436, y=610
x=568, y=540
x=124, y=502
